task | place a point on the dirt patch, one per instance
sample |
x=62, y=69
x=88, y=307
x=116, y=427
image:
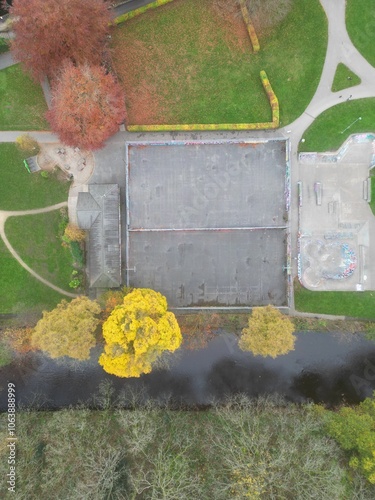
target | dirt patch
x=229, y=18
x=266, y=15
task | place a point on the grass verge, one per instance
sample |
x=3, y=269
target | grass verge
x=34, y=237
x=191, y=62
x=351, y=304
x=331, y=128
x=344, y=78
x=22, y=101
x=19, y=291
x=360, y=24
x=20, y=190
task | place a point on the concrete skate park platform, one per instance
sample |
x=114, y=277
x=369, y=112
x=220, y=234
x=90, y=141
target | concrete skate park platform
x=336, y=224
x=206, y=221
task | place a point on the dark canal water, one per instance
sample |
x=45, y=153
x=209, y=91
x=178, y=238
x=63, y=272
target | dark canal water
x=330, y=368
x=2, y=10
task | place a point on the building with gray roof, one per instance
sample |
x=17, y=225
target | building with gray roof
x=98, y=211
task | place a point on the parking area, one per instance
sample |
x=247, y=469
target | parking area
x=206, y=222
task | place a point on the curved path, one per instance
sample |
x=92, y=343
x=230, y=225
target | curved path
x=11, y=213
x=340, y=49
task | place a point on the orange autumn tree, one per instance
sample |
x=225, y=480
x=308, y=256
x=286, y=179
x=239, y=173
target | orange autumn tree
x=137, y=333
x=269, y=333
x=49, y=32
x=87, y=106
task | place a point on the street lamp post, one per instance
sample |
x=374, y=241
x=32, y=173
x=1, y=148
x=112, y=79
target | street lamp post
x=355, y=121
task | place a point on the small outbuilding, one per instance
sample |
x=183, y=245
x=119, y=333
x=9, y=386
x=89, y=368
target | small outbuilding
x=98, y=212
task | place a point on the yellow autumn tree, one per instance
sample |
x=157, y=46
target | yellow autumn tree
x=27, y=144
x=137, y=332
x=74, y=233
x=68, y=330
x=269, y=333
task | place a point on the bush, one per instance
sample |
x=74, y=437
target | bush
x=27, y=144
x=64, y=221
x=353, y=429
x=77, y=253
x=74, y=233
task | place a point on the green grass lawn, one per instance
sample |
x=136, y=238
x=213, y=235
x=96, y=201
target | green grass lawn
x=34, y=237
x=189, y=62
x=22, y=101
x=344, y=78
x=20, y=190
x=360, y=24
x=351, y=304
x=327, y=132
x=19, y=291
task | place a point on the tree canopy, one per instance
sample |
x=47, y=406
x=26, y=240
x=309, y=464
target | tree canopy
x=47, y=33
x=269, y=333
x=87, y=106
x=137, y=332
x=68, y=330
x=354, y=429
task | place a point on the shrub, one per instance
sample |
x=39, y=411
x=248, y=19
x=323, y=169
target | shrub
x=27, y=144
x=64, y=221
x=74, y=233
x=77, y=253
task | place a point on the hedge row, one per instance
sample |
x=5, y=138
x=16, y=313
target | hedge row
x=141, y=10
x=221, y=126
x=274, y=102
x=249, y=26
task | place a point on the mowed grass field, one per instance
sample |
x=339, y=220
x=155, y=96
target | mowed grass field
x=350, y=304
x=191, y=61
x=19, y=291
x=20, y=190
x=22, y=101
x=331, y=128
x=360, y=24
x=34, y=238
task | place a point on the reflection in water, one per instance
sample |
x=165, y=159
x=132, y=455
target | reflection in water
x=327, y=368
